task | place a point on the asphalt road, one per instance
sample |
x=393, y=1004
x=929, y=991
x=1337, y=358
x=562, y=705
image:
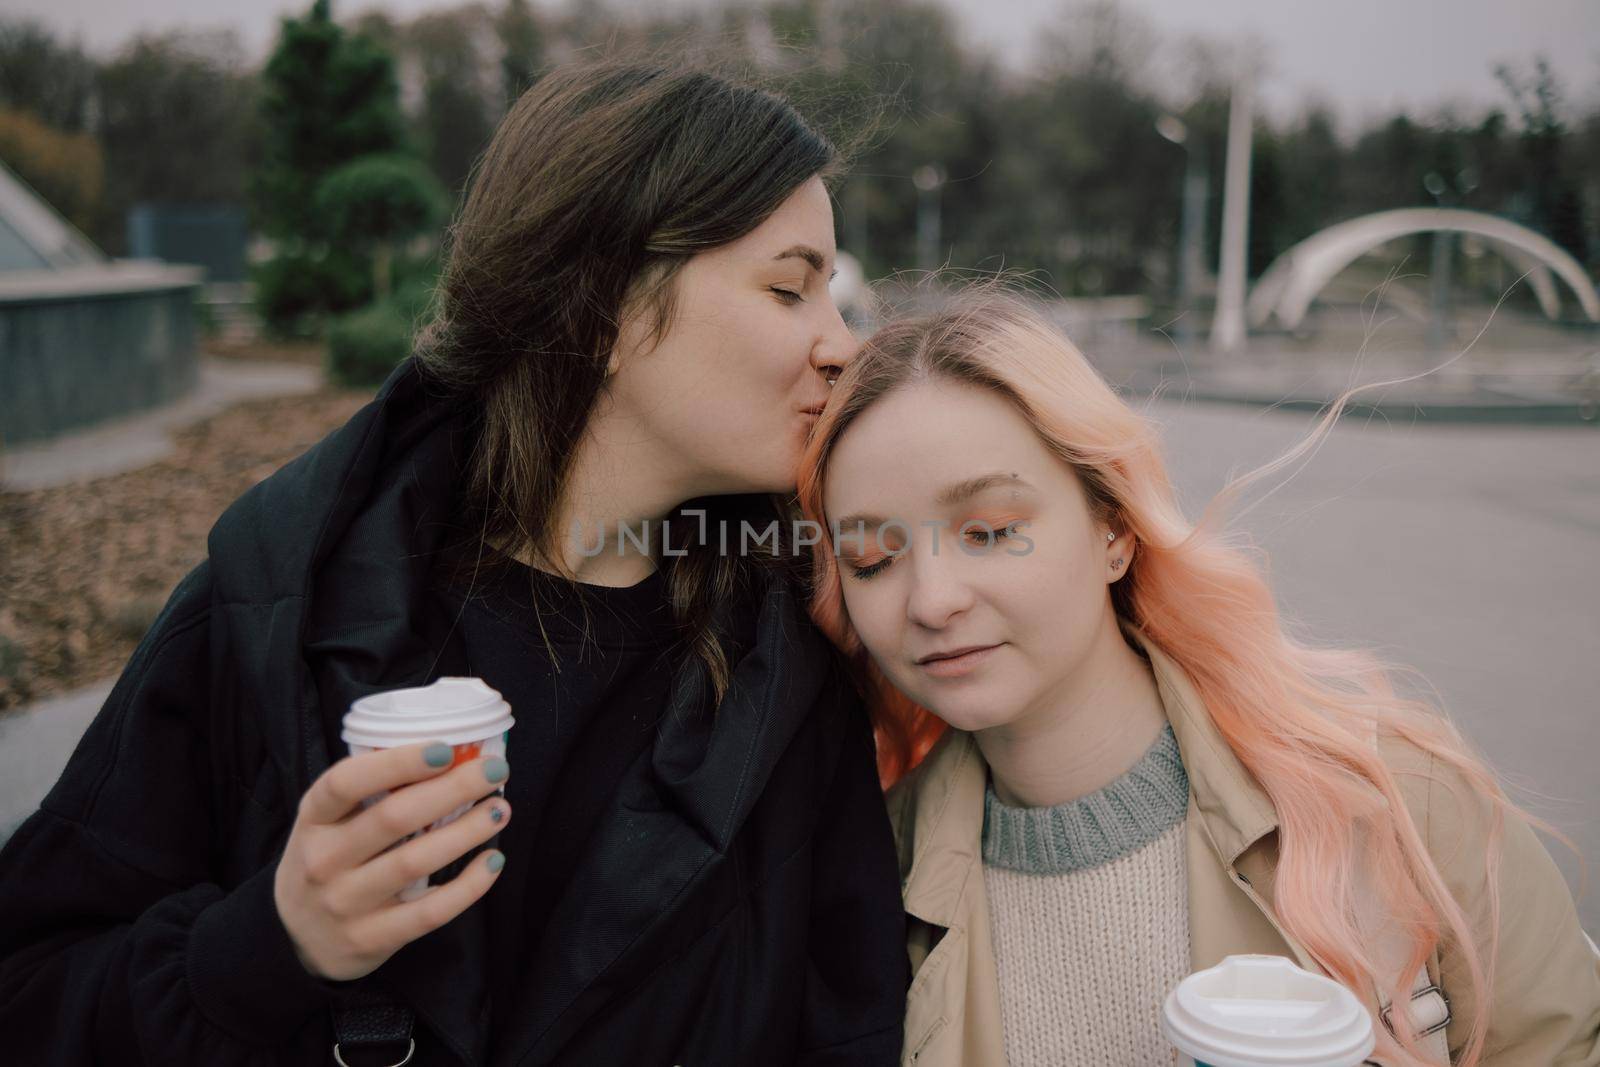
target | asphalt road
x=1471, y=553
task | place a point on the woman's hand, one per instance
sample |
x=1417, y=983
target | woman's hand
x=337, y=880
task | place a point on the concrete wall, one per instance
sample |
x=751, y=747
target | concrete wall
x=83, y=345
x=213, y=236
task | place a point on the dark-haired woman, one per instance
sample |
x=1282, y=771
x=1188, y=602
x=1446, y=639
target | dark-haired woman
x=577, y=489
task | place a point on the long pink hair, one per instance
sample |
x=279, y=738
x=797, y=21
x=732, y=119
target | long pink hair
x=1298, y=718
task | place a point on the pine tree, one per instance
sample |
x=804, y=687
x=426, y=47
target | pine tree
x=328, y=97
x=523, y=41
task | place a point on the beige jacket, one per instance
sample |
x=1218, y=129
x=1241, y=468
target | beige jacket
x=1546, y=1005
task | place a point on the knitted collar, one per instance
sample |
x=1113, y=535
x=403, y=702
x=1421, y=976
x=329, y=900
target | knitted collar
x=1113, y=821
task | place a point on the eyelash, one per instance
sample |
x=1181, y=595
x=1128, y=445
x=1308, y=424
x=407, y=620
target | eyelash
x=996, y=535
x=872, y=570
x=788, y=297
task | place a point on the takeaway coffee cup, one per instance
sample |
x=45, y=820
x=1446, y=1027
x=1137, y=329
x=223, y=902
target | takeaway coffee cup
x=464, y=713
x=1263, y=1011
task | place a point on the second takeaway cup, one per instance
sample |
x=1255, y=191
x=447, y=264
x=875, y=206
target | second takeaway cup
x=1263, y=1011
x=464, y=713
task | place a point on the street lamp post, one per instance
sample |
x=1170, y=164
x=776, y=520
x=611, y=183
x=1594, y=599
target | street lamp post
x=1441, y=268
x=1227, y=321
x=1192, y=238
x=928, y=178
x=1442, y=191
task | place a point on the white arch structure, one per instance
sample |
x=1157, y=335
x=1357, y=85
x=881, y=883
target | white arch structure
x=1300, y=273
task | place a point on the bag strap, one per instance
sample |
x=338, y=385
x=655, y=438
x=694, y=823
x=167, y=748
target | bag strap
x=371, y=1030
x=1428, y=1000
x=1429, y=1005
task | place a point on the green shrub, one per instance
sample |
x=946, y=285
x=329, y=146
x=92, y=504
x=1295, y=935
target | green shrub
x=205, y=316
x=381, y=197
x=365, y=346
x=292, y=291
x=375, y=202
x=285, y=294
x=414, y=270
x=414, y=299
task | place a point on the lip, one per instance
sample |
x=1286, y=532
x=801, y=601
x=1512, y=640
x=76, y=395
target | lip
x=964, y=661
x=951, y=653
x=813, y=410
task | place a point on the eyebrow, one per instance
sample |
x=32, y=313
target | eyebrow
x=959, y=491
x=807, y=253
x=953, y=493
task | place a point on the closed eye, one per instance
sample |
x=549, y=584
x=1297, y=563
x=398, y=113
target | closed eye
x=787, y=296
x=870, y=570
x=982, y=535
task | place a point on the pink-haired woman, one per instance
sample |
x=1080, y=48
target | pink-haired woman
x=1109, y=764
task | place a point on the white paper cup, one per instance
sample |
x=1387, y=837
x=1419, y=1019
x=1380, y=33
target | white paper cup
x=464, y=713
x=1263, y=1011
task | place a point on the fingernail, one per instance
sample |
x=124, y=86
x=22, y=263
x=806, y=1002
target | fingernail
x=437, y=754
x=495, y=768
x=496, y=861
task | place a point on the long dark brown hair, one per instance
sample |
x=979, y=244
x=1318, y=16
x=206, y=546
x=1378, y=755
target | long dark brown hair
x=599, y=184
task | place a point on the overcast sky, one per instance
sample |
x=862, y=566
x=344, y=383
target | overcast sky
x=1366, y=57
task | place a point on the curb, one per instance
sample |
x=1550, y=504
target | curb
x=1482, y=406
x=132, y=441
x=1569, y=413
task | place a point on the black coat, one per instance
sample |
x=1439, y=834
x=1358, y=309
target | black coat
x=738, y=903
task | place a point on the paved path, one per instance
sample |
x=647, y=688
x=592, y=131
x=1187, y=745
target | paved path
x=134, y=441
x=35, y=742
x=1471, y=553
x=1517, y=387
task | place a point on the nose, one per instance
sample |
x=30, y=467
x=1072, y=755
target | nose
x=835, y=346
x=937, y=592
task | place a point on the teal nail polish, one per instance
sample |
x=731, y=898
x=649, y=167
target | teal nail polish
x=495, y=768
x=437, y=754
x=496, y=861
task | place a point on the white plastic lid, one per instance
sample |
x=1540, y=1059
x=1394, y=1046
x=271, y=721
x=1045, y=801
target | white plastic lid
x=1263, y=1011
x=453, y=710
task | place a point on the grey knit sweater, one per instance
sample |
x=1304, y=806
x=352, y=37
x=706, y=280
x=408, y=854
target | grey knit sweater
x=1089, y=909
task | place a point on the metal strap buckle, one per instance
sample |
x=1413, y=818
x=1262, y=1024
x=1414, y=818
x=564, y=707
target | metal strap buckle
x=1440, y=1025
x=410, y=1051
